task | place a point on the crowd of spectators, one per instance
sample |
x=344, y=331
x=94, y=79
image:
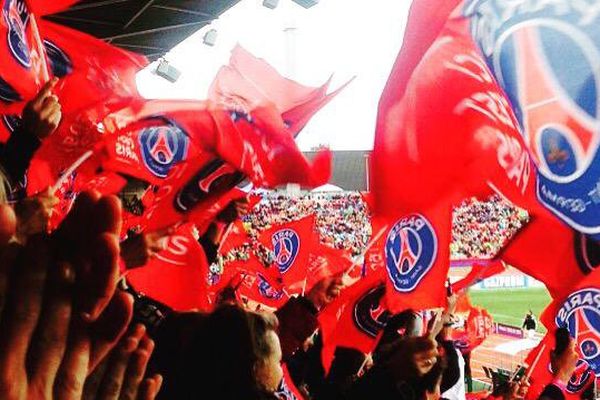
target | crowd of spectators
x=481, y=228
x=342, y=218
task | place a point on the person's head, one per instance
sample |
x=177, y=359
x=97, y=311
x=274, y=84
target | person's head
x=410, y=357
x=236, y=354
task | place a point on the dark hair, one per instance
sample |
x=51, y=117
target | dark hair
x=219, y=360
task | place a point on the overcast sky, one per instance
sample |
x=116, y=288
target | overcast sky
x=342, y=37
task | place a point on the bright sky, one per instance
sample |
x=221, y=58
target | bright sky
x=342, y=37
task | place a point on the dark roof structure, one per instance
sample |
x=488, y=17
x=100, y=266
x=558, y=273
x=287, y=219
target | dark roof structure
x=350, y=169
x=148, y=27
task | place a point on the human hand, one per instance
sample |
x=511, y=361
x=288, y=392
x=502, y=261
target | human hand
x=33, y=214
x=517, y=390
x=121, y=375
x=325, y=291
x=137, y=250
x=42, y=115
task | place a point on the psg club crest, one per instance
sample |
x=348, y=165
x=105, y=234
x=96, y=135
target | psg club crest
x=410, y=250
x=286, y=245
x=369, y=315
x=545, y=55
x=580, y=314
x=162, y=147
x=16, y=17
x=267, y=290
x=60, y=63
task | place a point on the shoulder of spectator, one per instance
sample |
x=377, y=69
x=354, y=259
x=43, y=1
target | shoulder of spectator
x=17, y=152
x=552, y=392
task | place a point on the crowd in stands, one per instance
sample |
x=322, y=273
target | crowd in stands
x=71, y=327
x=342, y=218
x=481, y=228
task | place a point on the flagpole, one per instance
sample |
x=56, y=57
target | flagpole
x=535, y=362
x=375, y=238
x=70, y=171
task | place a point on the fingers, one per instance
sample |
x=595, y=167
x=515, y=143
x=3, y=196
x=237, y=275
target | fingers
x=150, y=387
x=100, y=280
x=50, y=339
x=8, y=223
x=136, y=369
x=24, y=301
x=44, y=92
x=110, y=326
x=115, y=375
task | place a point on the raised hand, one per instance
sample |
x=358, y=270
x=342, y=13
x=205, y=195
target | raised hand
x=42, y=115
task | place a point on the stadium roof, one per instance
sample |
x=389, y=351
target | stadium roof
x=349, y=169
x=148, y=27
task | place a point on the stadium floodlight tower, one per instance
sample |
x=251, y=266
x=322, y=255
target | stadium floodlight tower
x=307, y=3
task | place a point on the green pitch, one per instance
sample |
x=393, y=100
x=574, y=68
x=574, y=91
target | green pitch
x=509, y=306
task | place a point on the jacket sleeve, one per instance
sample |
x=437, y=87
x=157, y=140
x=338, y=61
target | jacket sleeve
x=297, y=321
x=552, y=392
x=16, y=155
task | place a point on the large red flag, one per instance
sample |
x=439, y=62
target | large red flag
x=292, y=243
x=178, y=275
x=325, y=261
x=234, y=237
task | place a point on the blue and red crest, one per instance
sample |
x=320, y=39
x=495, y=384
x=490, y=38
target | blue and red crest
x=162, y=147
x=267, y=291
x=370, y=316
x=546, y=57
x=286, y=246
x=60, y=63
x=410, y=250
x=16, y=16
x=580, y=314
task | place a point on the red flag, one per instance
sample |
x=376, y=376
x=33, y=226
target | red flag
x=579, y=312
x=355, y=319
x=248, y=82
x=480, y=325
x=478, y=273
x=287, y=390
x=96, y=79
x=23, y=60
x=234, y=237
x=292, y=243
x=178, y=275
x=325, y=262
x=44, y=7
x=540, y=372
x=417, y=259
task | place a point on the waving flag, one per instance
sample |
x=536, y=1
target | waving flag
x=478, y=273
x=23, y=60
x=579, y=312
x=248, y=82
x=292, y=243
x=540, y=372
x=178, y=275
x=324, y=262
x=355, y=319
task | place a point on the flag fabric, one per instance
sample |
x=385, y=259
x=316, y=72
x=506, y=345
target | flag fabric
x=325, y=261
x=579, y=312
x=234, y=237
x=23, y=60
x=540, y=372
x=248, y=82
x=96, y=79
x=417, y=259
x=178, y=275
x=480, y=325
x=287, y=390
x=43, y=7
x=355, y=319
x=292, y=244
x=479, y=272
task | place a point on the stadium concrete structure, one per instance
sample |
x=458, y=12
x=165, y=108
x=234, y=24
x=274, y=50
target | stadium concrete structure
x=349, y=169
x=148, y=27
